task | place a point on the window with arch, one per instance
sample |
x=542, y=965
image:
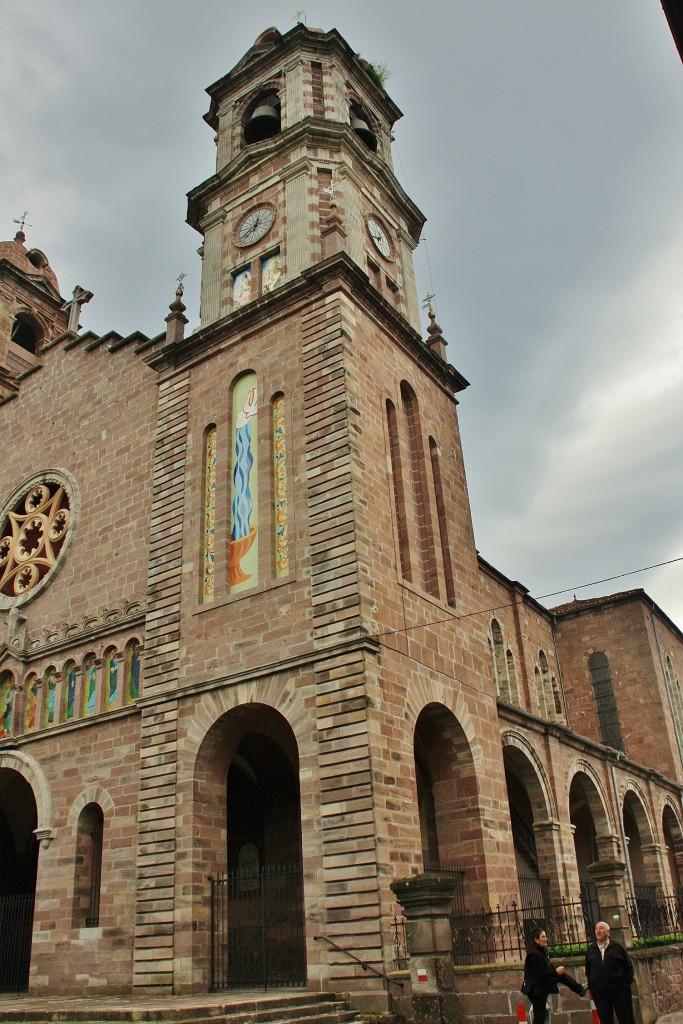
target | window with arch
x=443, y=522
x=69, y=674
x=399, y=495
x=31, y=688
x=132, y=671
x=49, y=695
x=540, y=692
x=280, y=509
x=88, y=866
x=512, y=677
x=244, y=508
x=111, y=677
x=89, y=684
x=421, y=507
x=209, y=530
x=7, y=690
x=605, y=701
x=499, y=660
x=674, y=688
x=551, y=691
x=362, y=124
x=27, y=333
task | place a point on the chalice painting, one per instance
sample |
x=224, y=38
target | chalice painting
x=243, y=533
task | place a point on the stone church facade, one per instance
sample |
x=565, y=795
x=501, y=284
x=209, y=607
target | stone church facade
x=252, y=668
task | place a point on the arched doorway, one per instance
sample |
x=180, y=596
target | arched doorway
x=592, y=832
x=644, y=870
x=528, y=802
x=18, y=869
x=673, y=840
x=247, y=800
x=448, y=802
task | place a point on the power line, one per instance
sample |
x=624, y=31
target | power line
x=509, y=604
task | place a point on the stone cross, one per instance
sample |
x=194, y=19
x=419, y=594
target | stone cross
x=79, y=298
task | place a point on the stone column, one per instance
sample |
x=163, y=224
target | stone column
x=427, y=901
x=608, y=876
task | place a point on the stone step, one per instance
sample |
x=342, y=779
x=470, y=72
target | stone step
x=300, y=1008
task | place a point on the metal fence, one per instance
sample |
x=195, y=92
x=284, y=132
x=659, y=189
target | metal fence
x=504, y=934
x=257, y=929
x=655, y=916
x=16, y=925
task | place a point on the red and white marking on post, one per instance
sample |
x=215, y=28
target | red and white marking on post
x=421, y=974
x=594, y=1012
x=521, y=1014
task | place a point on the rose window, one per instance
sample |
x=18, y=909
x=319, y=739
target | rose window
x=32, y=537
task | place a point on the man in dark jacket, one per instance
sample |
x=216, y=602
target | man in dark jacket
x=609, y=972
x=542, y=977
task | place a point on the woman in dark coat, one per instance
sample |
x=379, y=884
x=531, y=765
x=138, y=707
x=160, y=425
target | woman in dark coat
x=542, y=977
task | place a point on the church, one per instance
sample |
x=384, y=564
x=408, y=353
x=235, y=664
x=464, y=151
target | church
x=253, y=669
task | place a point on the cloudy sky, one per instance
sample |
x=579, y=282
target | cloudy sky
x=542, y=139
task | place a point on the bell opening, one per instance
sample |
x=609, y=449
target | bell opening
x=364, y=132
x=263, y=123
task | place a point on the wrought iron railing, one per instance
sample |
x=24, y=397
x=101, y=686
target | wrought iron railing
x=655, y=916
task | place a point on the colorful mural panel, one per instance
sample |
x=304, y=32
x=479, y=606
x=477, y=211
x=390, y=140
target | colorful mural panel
x=241, y=288
x=132, y=672
x=89, y=684
x=112, y=677
x=208, y=582
x=69, y=690
x=50, y=697
x=271, y=273
x=280, y=486
x=6, y=703
x=243, y=529
x=31, y=703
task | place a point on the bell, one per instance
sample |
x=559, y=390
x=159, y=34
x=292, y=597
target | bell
x=364, y=132
x=264, y=122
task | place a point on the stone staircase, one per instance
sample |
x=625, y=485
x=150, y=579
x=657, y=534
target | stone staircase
x=289, y=1008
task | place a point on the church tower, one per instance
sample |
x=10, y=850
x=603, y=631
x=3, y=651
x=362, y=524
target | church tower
x=303, y=170
x=311, y=542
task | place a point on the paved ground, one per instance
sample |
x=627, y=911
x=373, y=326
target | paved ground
x=93, y=1002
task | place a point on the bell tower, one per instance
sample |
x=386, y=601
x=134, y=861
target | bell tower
x=303, y=170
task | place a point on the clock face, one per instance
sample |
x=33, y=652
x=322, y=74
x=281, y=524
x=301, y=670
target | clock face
x=256, y=224
x=379, y=238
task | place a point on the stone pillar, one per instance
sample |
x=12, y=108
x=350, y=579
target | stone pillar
x=608, y=876
x=427, y=902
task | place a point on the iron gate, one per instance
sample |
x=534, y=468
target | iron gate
x=16, y=927
x=257, y=929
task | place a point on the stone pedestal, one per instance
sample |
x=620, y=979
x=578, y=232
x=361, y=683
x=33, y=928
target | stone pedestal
x=608, y=876
x=427, y=902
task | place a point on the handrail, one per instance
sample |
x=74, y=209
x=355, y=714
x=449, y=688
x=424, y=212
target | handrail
x=364, y=964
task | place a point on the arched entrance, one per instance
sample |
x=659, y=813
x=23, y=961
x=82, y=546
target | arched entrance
x=448, y=802
x=247, y=799
x=535, y=854
x=592, y=833
x=673, y=840
x=640, y=848
x=18, y=869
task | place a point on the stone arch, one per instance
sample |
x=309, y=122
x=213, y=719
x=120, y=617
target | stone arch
x=94, y=794
x=241, y=786
x=592, y=826
x=31, y=771
x=672, y=833
x=533, y=820
x=640, y=834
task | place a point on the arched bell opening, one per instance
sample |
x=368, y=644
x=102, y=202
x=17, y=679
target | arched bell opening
x=262, y=119
x=362, y=126
x=18, y=870
x=27, y=333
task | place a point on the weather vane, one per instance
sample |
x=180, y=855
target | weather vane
x=21, y=221
x=427, y=302
x=181, y=277
x=300, y=17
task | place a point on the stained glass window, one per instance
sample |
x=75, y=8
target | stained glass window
x=50, y=695
x=31, y=702
x=132, y=685
x=209, y=560
x=111, y=676
x=69, y=674
x=6, y=703
x=244, y=510
x=89, y=684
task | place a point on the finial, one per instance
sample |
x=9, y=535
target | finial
x=73, y=308
x=179, y=290
x=21, y=221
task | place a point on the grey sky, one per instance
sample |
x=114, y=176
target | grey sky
x=544, y=142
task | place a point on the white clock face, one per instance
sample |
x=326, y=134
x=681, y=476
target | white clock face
x=255, y=225
x=379, y=238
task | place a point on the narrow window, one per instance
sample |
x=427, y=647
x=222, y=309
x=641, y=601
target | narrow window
x=111, y=676
x=31, y=686
x=499, y=661
x=317, y=89
x=280, y=510
x=605, y=701
x=557, y=699
x=243, y=528
x=209, y=531
x=6, y=703
x=421, y=509
x=399, y=497
x=69, y=695
x=512, y=677
x=538, y=679
x=443, y=523
x=88, y=867
x=132, y=671
x=89, y=684
x=50, y=695
x=549, y=699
